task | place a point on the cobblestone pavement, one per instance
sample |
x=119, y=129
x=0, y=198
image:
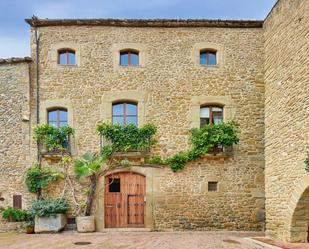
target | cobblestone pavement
x=131, y=240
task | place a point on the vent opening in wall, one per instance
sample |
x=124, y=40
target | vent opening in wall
x=17, y=201
x=212, y=186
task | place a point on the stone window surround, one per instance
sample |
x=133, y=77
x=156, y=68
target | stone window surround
x=46, y=105
x=220, y=187
x=198, y=101
x=64, y=45
x=138, y=97
x=208, y=46
x=138, y=47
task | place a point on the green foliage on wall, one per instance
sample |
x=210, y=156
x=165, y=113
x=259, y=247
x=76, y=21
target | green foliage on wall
x=14, y=214
x=126, y=138
x=52, y=137
x=202, y=140
x=38, y=178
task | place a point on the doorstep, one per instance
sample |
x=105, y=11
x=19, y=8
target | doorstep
x=129, y=229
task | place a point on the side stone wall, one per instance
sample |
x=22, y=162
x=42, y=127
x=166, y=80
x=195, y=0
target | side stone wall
x=15, y=131
x=169, y=81
x=286, y=111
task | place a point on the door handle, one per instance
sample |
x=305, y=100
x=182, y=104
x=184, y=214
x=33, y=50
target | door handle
x=109, y=205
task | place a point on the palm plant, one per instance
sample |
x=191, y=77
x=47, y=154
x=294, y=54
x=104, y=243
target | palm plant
x=89, y=167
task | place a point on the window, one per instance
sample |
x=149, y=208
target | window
x=212, y=186
x=211, y=115
x=129, y=58
x=58, y=117
x=114, y=185
x=208, y=57
x=66, y=57
x=125, y=113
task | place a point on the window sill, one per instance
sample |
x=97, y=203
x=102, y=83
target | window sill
x=209, y=66
x=54, y=155
x=66, y=66
x=129, y=67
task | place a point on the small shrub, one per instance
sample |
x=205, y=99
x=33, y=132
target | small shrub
x=49, y=207
x=14, y=214
x=38, y=178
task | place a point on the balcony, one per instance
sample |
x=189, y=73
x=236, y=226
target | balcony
x=126, y=143
x=56, y=153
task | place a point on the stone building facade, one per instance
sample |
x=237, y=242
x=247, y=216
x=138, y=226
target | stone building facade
x=287, y=120
x=169, y=86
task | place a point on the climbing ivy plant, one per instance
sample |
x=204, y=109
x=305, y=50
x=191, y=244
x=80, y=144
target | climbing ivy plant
x=52, y=137
x=37, y=178
x=202, y=141
x=126, y=138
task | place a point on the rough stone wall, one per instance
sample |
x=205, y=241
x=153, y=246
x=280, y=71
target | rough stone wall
x=286, y=110
x=15, y=130
x=171, y=79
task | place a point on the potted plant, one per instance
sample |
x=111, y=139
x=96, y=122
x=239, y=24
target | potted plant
x=89, y=169
x=29, y=226
x=49, y=214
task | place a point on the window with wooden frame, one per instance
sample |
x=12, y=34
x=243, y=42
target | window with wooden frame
x=124, y=113
x=57, y=117
x=208, y=57
x=129, y=58
x=66, y=57
x=211, y=114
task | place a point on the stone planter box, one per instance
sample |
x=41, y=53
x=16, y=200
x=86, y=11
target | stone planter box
x=85, y=224
x=52, y=224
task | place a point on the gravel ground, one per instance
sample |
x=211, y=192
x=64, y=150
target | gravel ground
x=131, y=240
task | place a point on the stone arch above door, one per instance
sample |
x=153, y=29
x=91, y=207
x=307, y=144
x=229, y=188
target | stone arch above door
x=298, y=217
x=99, y=207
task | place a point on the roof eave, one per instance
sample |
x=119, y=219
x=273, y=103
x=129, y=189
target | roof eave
x=167, y=23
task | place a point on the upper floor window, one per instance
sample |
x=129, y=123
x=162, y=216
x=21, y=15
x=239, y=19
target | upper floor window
x=125, y=113
x=58, y=117
x=208, y=57
x=66, y=57
x=211, y=115
x=129, y=58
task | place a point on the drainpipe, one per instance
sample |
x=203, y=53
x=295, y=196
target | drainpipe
x=37, y=37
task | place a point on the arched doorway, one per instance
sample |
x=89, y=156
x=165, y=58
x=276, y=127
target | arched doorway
x=300, y=219
x=125, y=200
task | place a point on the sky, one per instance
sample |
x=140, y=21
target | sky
x=14, y=32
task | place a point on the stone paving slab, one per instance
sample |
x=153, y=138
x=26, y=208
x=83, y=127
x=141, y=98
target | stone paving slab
x=283, y=245
x=132, y=240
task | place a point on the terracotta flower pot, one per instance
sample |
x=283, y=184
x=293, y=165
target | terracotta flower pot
x=85, y=224
x=29, y=230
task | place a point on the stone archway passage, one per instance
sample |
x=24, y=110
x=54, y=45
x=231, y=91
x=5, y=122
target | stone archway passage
x=300, y=219
x=125, y=200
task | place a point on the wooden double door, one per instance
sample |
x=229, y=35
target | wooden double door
x=125, y=200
